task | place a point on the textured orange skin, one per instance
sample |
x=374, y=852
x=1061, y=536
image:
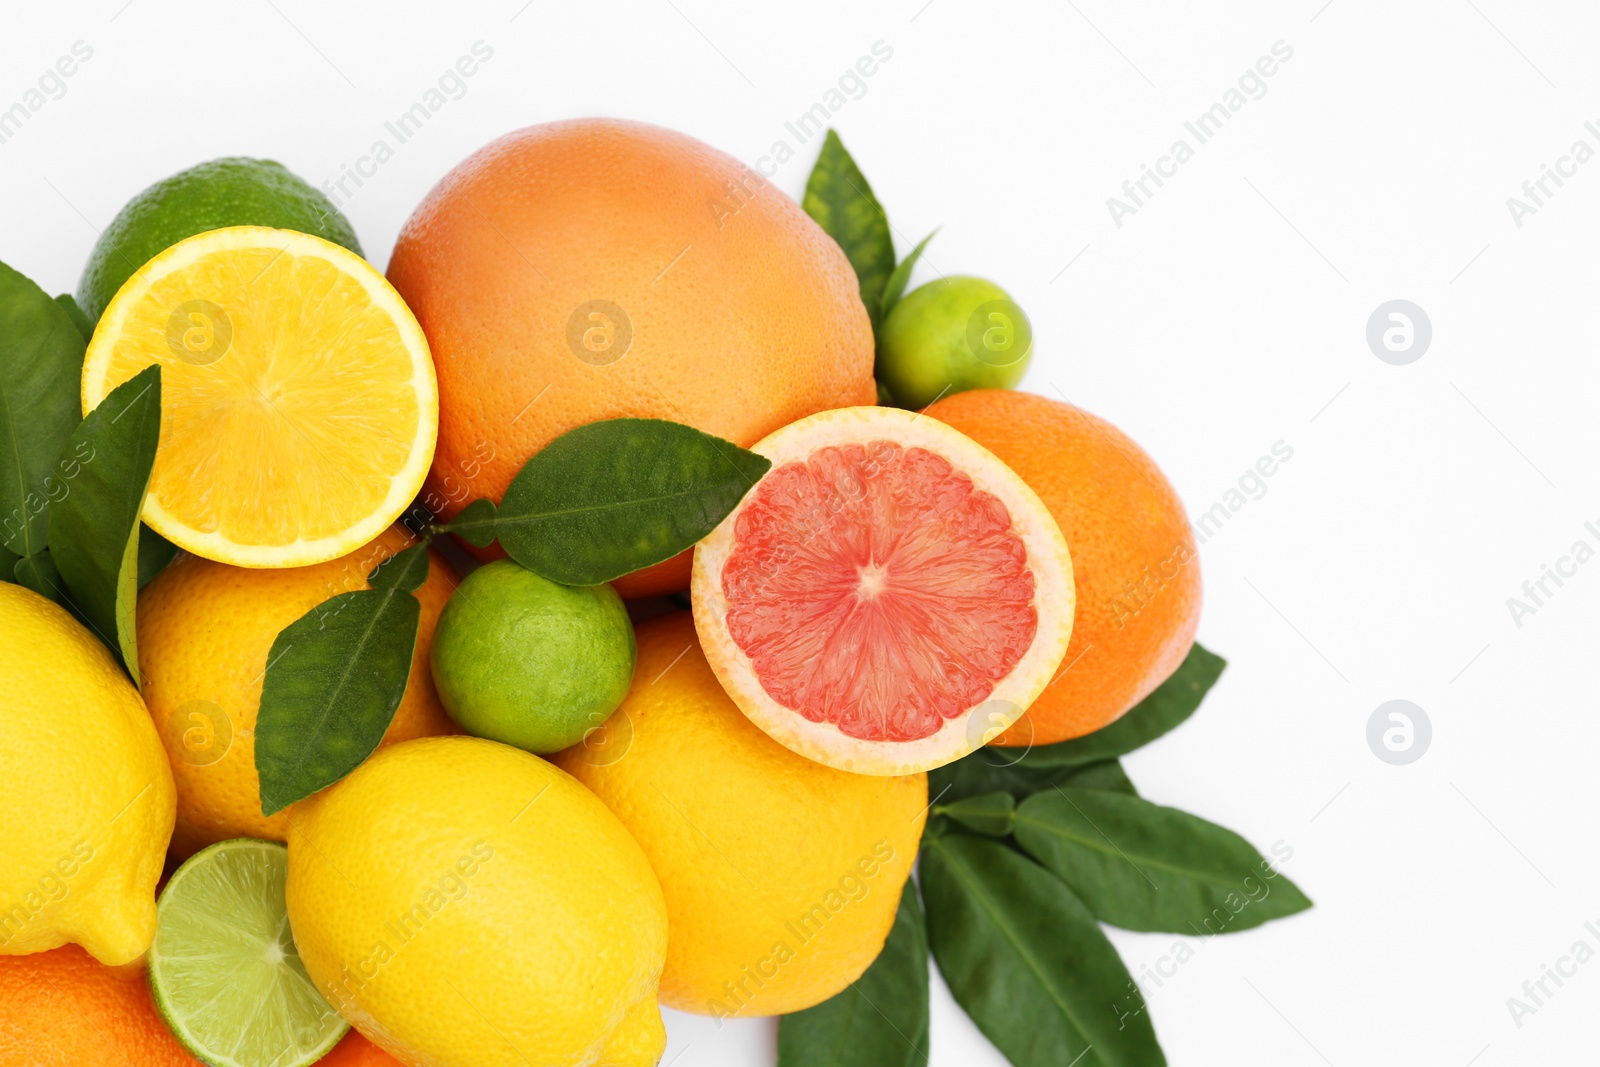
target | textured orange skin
x=63, y=1008
x=745, y=315
x=205, y=629
x=353, y=1050
x=1133, y=554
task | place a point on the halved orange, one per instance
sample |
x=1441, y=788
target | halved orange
x=299, y=408
x=889, y=596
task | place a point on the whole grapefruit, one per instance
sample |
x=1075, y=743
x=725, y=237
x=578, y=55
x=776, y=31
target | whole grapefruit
x=1133, y=554
x=597, y=268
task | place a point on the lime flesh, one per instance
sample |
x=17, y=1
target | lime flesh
x=224, y=969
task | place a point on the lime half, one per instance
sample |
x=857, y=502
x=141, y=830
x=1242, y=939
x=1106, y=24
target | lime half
x=224, y=969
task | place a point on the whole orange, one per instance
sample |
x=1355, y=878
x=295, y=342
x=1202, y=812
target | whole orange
x=596, y=268
x=1133, y=554
x=63, y=1008
x=781, y=875
x=205, y=629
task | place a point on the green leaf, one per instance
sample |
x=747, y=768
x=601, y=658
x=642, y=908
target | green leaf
x=611, y=497
x=94, y=525
x=839, y=198
x=987, y=813
x=334, y=678
x=1145, y=867
x=991, y=769
x=155, y=552
x=75, y=313
x=1107, y=774
x=41, y=361
x=8, y=565
x=475, y=524
x=881, y=1020
x=38, y=573
x=403, y=572
x=1027, y=961
x=1173, y=701
x=895, y=287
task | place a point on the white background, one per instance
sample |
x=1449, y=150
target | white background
x=1226, y=315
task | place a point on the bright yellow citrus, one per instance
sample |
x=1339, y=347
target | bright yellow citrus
x=84, y=786
x=299, y=408
x=465, y=904
x=781, y=875
x=205, y=633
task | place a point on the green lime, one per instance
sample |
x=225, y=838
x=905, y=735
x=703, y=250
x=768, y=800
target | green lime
x=951, y=335
x=224, y=970
x=522, y=660
x=224, y=192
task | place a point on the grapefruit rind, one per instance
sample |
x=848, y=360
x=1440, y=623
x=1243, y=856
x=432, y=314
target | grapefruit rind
x=1054, y=599
x=405, y=482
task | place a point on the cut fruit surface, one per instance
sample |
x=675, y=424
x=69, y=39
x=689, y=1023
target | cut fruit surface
x=888, y=597
x=299, y=407
x=224, y=969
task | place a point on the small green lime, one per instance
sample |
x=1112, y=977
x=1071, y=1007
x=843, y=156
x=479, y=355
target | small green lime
x=951, y=335
x=224, y=192
x=524, y=661
x=224, y=970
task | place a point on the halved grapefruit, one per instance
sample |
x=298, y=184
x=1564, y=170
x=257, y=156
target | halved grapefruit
x=889, y=597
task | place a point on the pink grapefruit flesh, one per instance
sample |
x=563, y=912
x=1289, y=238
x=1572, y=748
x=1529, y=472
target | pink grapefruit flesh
x=889, y=597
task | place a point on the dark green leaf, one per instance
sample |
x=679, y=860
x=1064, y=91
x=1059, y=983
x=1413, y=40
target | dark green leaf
x=990, y=769
x=94, y=523
x=334, y=679
x=475, y=524
x=611, y=497
x=1145, y=867
x=1107, y=774
x=38, y=572
x=403, y=572
x=8, y=565
x=1173, y=701
x=841, y=201
x=895, y=287
x=41, y=361
x=1027, y=961
x=155, y=552
x=881, y=1020
x=987, y=813
x=75, y=313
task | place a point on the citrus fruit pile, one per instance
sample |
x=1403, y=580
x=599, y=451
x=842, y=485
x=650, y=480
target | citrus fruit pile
x=609, y=608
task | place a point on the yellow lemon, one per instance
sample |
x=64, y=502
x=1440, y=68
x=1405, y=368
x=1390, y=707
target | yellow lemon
x=298, y=401
x=205, y=634
x=463, y=902
x=782, y=876
x=85, y=788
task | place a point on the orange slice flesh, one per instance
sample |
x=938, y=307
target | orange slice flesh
x=299, y=407
x=889, y=597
